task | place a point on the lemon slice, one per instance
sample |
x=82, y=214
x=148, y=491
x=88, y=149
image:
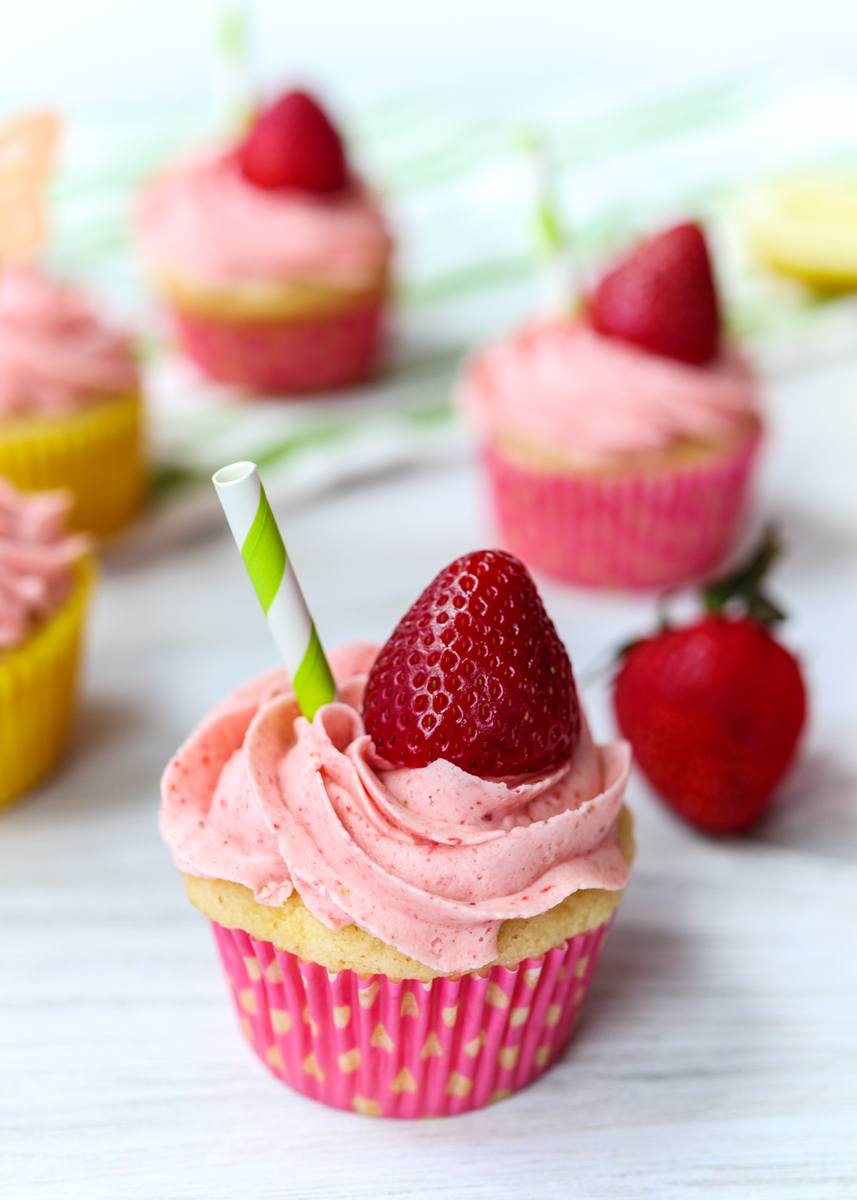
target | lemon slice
x=807, y=227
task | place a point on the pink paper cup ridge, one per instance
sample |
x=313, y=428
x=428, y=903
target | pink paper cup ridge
x=405, y=1048
x=292, y=356
x=643, y=530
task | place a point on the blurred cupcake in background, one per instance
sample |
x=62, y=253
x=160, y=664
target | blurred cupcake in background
x=619, y=444
x=70, y=407
x=45, y=579
x=272, y=255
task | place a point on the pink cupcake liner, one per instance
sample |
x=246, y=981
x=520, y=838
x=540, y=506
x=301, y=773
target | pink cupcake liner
x=407, y=1049
x=291, y=356
x=646, y=530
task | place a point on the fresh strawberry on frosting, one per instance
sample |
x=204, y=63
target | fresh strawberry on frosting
x=294, y=144
x=662, y=298
x=475, y=673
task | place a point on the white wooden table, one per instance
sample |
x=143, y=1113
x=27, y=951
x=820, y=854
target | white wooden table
x=717, y=1056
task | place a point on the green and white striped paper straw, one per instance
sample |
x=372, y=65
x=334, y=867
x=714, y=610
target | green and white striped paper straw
x=558, y=283
x=233, y=77
x=258, y=538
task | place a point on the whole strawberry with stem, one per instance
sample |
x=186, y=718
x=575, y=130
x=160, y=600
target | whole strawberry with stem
x=714, y=710
x=662, y=297
x=476, y=674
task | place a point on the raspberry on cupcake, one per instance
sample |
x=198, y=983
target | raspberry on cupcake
x=410, y=891
x=272, y=255
x=619, y=445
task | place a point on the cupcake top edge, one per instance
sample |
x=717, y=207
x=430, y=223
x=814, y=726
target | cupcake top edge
x=560, y=384
x=37, y=558
x=205, y=224
x=56, y=355
x=431, y=859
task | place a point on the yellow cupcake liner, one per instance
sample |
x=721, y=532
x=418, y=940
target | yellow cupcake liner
x=97, y=453
x=38, y=684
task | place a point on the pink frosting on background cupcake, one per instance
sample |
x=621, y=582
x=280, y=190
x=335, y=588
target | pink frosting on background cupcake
x=204, y=223
x=55, y=355
x=36, y=559
x=430, y=860
x=562, y=386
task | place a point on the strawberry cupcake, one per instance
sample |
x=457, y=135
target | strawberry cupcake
x=70, y=406
x=272, y=256
x=409, y=893
x=45, y=579
x=619, y=445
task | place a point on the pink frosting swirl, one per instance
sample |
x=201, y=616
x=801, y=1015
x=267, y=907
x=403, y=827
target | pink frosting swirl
x=36, y=559
x=562, y=386
x=205, y=223
x=429, y=860
x=55, y=355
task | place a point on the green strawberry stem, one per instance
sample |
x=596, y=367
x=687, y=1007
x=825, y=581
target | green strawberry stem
x=743, y=589
x=740, y=593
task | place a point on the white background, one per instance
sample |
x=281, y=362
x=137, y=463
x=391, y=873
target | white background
x=115, y=51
